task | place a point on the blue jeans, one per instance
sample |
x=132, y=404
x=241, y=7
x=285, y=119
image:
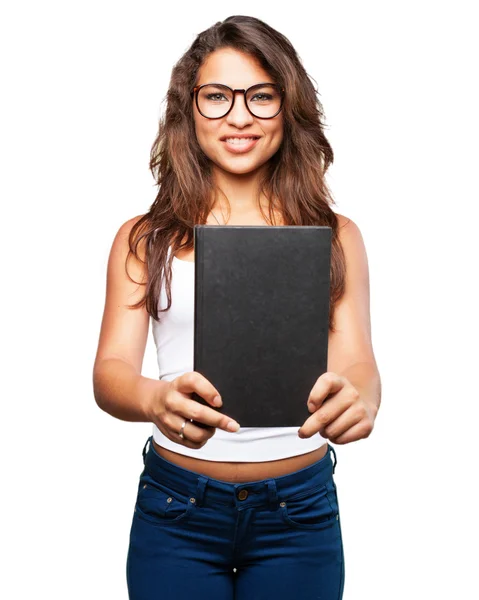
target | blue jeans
x=197, y=537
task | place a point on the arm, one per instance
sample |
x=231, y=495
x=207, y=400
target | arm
x=122, y=392
x=345, y=400
x=350, y=351
x=119, y=388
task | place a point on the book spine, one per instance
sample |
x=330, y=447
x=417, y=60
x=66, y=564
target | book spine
x=198, y=299
x=199, y=305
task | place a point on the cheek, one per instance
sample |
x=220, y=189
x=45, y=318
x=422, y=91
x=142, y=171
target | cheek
x=199, y=132
x=275, y=130
x=276, y=137
x=279, y=138
x=206, y=135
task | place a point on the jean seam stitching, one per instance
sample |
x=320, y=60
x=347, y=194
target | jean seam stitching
x=302, y=494
x=159, y=523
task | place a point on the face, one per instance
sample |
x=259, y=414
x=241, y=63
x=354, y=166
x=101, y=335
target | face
x=236, y=70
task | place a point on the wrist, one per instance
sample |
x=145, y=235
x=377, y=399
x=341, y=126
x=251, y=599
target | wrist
x=372, y=407
x=150, y=393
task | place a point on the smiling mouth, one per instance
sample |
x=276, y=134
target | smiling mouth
x=239, y=141
x=240, y=145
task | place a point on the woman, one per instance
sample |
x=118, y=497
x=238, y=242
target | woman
x=208, y=523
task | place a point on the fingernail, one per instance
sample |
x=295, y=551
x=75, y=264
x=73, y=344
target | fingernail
x=233, y=426
x=217, y=401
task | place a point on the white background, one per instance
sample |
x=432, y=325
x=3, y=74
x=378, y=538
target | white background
x=83, y=84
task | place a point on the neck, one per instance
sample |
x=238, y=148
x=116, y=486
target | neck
x=241, y=191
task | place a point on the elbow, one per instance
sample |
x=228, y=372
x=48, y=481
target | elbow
x=99, y=394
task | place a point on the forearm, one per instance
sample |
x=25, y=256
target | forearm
x=364, y=376
x=123, y=393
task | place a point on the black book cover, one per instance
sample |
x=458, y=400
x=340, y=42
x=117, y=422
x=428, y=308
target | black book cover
x=262, y=298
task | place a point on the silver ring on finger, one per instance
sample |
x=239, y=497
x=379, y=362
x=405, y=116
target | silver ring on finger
x=181, y=434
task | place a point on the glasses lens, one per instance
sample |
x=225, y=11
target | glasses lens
x=264, y=101
x=214, y=100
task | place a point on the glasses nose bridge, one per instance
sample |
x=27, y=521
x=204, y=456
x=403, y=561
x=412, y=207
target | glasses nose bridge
x=233, y=103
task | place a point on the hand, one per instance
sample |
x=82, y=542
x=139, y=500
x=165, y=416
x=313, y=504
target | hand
x=169, y=411
x=339, y=413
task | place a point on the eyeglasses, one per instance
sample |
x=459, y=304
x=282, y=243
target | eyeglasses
x=215, y=100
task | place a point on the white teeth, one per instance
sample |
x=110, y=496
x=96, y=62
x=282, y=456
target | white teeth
x=239, y=141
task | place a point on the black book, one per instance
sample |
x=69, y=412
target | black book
x=262, y=297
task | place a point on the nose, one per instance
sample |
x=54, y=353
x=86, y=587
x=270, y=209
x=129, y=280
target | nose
x=239, y=115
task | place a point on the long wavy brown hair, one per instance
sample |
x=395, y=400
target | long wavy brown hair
x=293, y=181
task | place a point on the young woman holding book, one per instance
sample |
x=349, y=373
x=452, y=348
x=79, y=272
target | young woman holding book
x=224, y=512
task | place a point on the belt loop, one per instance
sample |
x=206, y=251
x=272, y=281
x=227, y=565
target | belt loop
x=272, y=492
x=335, y=459
x=144, y=449
x=200, y=490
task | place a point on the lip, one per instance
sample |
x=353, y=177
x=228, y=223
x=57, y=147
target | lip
x=237, y=148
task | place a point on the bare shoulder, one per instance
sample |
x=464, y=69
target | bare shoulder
x=124, y=230
x=349, y=231
x=120, y=247
x=353, y=246
x=342, y=220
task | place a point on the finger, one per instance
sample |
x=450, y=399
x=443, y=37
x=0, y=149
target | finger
x=358, y=432
x=325, y=416
x=332, y=409
x=192, y=433
x=190, y=409
x=196, y=382
x=172, y=433
x=341, y=424
x=308, y=428
x=329, y=383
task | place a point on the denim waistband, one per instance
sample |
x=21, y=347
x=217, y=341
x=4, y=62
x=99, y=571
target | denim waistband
x=209, y=491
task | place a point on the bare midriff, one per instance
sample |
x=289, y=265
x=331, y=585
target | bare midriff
x=242, y=471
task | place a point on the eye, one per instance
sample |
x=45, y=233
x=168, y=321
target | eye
x=215, y=96
x=262, y=97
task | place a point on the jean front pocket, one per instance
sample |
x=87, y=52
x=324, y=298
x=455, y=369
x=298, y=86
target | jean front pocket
x=314, y=509
x=159, y=505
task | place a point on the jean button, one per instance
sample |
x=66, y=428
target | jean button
x=242, y=494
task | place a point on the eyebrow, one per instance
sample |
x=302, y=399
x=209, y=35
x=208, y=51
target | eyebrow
x=225, y=84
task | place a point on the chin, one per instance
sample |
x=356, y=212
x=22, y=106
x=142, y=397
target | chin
x=244, y=171
x=238, y=167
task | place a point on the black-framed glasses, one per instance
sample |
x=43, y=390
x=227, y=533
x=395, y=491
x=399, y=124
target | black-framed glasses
x=215, y=100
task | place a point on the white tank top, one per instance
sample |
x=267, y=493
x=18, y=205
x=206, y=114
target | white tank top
x=174, y=338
